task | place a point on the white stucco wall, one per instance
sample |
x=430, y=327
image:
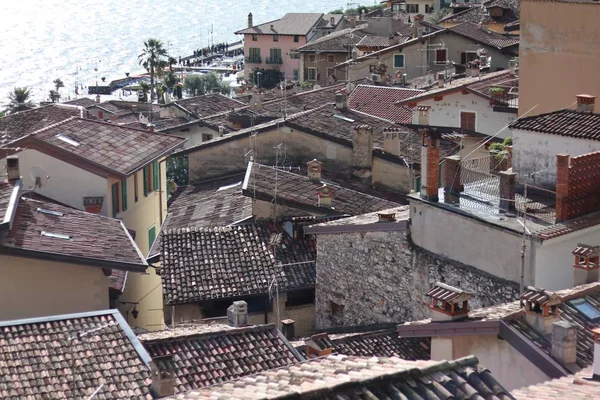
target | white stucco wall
x=446, y=112
x=534, y=151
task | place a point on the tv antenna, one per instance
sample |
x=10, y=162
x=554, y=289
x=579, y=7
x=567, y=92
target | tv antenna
x=38, y=177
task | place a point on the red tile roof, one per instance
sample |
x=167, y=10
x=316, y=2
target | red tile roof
x=379, y=101
x=41, y=358
x=484, y=36
x=570, y=226
x=570, y=123
x=573, y=387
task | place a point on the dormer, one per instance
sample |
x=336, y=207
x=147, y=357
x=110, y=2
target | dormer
x=586, y=264
x=448, y=303
x=541, y=309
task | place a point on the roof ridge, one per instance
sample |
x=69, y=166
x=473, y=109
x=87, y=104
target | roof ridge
x=202, y=335
x=54, y=125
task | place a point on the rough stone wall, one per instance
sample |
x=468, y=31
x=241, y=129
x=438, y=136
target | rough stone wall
x=381, y=277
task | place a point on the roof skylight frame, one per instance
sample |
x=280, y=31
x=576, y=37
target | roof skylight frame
x=67, y=139
x=586, y=308
x=227, y=187
x=338, y=116
x=55, y=235
x=50, y=212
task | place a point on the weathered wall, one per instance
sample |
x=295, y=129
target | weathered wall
x=381, y=277
x=559, y=54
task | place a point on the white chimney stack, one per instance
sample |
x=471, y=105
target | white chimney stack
x=237, y=314
x=585, y=102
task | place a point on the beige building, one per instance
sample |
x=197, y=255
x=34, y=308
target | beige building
x=559, y=54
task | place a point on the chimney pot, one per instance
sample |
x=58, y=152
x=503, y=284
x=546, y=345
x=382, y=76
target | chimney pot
x=93, y=205
x=586, y=265
x=12, y=168
x=512, y=66
x=314, y=167
x=386, y=217
x=448, y=303
x=256, y=101
x=97, y=98
x=585, y=102
x=430, y=159
x=441, y=79
x=332, y=21
x=341, y=100
x=237, y=314
x=325, y=194
x=287, y=328
x=353, y=22
x=362, y=152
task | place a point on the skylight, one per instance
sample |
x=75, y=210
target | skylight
x=50, y=212
x=55, y=235
x=338, y=116
x=585, y=308
x=67, y=139
x=229, y=186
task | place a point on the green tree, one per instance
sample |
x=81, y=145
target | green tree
x=266, y=78
x=58, y=83
x=197, y=85
x=170, y=79
x=19, y=100
x=153, y=58
x=177, y=169
x=54, y=96
x=145, y=88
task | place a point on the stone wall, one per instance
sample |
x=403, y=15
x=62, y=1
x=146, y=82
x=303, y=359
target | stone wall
x=379, y=277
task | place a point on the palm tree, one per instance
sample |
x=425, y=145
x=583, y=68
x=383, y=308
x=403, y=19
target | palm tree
x=54, y=95
x=19, y=100
x=145, y=88
x=58, y=84
x=172, y=61
x=153, y=59
x=170, y=79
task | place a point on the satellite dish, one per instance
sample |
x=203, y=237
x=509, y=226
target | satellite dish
x=38, y=177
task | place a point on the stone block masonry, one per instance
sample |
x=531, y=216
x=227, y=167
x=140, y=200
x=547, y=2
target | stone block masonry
x=381, y=277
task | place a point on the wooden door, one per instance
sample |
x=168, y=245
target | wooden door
x=467, y=120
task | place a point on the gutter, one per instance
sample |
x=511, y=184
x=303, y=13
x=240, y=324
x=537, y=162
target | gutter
x=450, y=329
x=349, y=228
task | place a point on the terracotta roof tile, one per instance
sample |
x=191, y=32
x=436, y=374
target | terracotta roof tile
x=479, y=13
x=491, y=38
x=570, y=226
x=336, y=41
x=379, y=101
x=289, y=24
x=40, y=358
x=82, y=102
x=572, y=387
x=570, y=123
x=209, y=104
x=20, y=124
x=374, y=41
x=340, y=376
x=213, y=358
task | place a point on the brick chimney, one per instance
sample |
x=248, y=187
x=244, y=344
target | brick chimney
x=341, y=99
x=352, y=20
x=452, y=182
x=562, y=187
x=163, y=376
x=325, y=195
x=237, y=314
x=430, y=159
x=585, y=102
x=420, y=115
x=586, y=264
x=318, y=345
x=93, y=204
x=287, y=328
x=564, y=343
x=250, y=24
x=596, y=366
x=314, y=169
x=508, y=186
x=541, y=310
x=362, y=151
x=392, y=140
x=448, y=303
x=12, y=169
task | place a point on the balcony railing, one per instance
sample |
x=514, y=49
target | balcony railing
x=504, y=100
x=253, y=60
x=274, y=61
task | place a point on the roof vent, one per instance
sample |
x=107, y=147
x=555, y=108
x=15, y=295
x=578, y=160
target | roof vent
x=237, y=314
x=586, y=264
x=55, y=235
x=386, y=217
x=448, y=303
x=585, y=102
x=541, y=309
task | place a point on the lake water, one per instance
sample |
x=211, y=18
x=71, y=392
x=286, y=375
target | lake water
x=41, y=40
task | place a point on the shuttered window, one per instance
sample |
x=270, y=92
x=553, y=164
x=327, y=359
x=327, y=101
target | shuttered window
x=146, y=182
x=155, y=178
x=151, y=237
x=467, y=120
x=124, y=194
x=115, y=199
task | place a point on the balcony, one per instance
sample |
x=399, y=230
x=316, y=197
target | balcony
x=253, y=60
x=505, y=99
x=274, y=61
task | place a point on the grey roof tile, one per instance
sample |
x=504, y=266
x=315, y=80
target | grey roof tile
x=491, y=38
x=570, y=123
x=209, y=104
x=289, y=24
x=20, y=124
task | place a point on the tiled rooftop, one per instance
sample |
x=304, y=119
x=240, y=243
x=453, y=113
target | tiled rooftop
x=402, y=213
x=375, y=41
x=114, y=149
x=379, y=101
x=289, y=24
x=337, y=41
x=206, y=359
x=572, y=387
x=209, y=104
x=301, y=101
x=343, y=377
x=15, y=126
x=479, y=13
x=473, y=31
x=55, y=230
x=82, y=102
x=299, y=191
x=207, y=204
x=40, y=358
x=570, y=123
x=214, y=263
x=6, y=191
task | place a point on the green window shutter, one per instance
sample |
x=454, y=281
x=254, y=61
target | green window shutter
x=151, y=237
x=155, y=177
x=398, y=60
x=115, y=199
x=145, y=172
x=124, y=194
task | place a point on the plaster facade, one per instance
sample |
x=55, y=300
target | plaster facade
x=286, y=44
x=52, y=288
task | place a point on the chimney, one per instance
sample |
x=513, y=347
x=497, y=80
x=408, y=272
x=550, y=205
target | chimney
x=325, y=194
x=508, y=186
x=394, y=39
x=221, y=131
x=596, y=367
x=430, y=158
x=564, y=343
x=586, y=265
x=318, y=345
x=386, y=217
x=287, y=328
x=392, y=140
x=341, y=99
x=97, y=98
x=12, y=169
x=562, y=187
x=441, y=79
x=362, y=151
x=93, y=205
x=151, y=128
x=452, y=180
x=332, y=21
x=256, y=101
x=585, y=102
x=541, y=310
x=420, y=115
x=237, y=314
x=448, y=303
x=352, y=22
x=417, y=31
x=250, y=25
x=163, y=376
x=473, y=69
x=512, y=66
x=314, y=168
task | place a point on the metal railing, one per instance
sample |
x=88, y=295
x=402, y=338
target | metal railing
x=253, y=60
x=274, y=61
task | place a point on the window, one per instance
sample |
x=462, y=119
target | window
x=135, y=187
x=124, y=195
x=441, y=56
x=428, y=9
x=206, y=136
x=276, y=38
x=294, y=54
x=100, y=114
x=300, y=298
x=467, y=120
x=151, y=178
x=331, y=58
x=254, y=37
x=467, y=56
x=336, y=310
x=311, y=58
x=296, y=74
x=254, y=55
x=330, y=72
x=275, y=56
x=412, y=8
x=151, y=236
x=398, y=60
x=115, y=199
x=296, y=38
x=586, y=309
x=156, y=179
x=312, y=74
